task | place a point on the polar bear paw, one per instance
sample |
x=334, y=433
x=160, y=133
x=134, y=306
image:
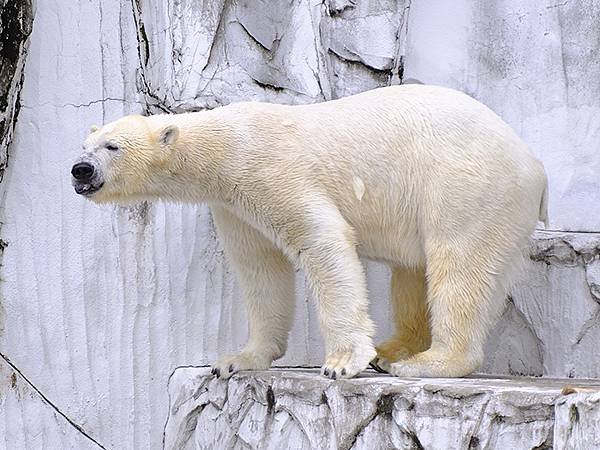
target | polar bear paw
x=431, y=364
x=347, y=364
x=228, y=365
x=388, y=353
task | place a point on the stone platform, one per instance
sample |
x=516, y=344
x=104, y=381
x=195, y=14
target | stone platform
x=298, y=409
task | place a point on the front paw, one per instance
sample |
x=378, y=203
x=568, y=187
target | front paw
x=347, y=364
x=228, y=365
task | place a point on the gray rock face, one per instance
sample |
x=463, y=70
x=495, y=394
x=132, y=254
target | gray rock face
x=552, y=322
x=16, y=19
x=99, y=304
x=301, y=410
x=578, y=421
x=29, y=421
x=279, y=51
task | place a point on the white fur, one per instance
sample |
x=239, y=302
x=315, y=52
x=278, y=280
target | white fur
x=423, y=178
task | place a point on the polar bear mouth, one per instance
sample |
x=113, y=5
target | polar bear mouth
x=87, y=189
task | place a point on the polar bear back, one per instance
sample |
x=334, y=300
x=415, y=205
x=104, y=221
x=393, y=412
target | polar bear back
x=411, y=162
x=428, y=132
x=412, y=158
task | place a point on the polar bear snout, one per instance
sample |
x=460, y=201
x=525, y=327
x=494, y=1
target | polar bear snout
x=82, y=171
x=86, y=178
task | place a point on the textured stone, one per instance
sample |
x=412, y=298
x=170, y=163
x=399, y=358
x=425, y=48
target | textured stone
x=557, y=300
x=280, y=51
x=16, y=19
x=578, y=421
x=30, y=421
x=277, y=409
x=99, y=304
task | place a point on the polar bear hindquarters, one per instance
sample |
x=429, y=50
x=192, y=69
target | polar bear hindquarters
x=474, y=244
x=408, y=295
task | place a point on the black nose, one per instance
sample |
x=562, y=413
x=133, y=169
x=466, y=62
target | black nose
x=82, y=171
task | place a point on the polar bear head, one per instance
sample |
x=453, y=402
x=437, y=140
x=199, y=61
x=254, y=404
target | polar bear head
x=124, y=160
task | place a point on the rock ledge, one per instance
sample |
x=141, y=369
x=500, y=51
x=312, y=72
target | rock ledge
x=294, y=408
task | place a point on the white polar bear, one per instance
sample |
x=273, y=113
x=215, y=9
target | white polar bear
x=423, y=178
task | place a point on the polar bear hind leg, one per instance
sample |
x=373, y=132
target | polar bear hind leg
x=266, y=278
x=411, y=318
x=465, y=293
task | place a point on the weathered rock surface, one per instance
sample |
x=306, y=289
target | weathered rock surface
x=299, y=409
x=29, y=421
x=99, y=304
x=552, y=323
x=577, y=419
x=16, y=19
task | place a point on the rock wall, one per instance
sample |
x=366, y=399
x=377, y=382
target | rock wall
x=99, y=304
x=29, y=420
x=16, y=19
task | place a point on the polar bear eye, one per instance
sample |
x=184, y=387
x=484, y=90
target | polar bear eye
x=112, y=147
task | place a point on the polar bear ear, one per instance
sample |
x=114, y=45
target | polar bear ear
x=168, y=135
x=94, y=128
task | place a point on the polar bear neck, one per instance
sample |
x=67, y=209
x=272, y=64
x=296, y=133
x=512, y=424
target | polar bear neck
x=198, y=168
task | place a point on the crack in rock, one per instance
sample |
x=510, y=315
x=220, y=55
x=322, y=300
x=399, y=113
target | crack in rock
x=153, y=101
x=18, y=375
x=80, y=105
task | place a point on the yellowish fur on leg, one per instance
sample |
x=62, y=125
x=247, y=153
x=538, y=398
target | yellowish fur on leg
x=411, y=318
x=464, y=297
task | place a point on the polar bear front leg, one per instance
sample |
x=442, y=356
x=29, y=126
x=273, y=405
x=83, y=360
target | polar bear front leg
x=267, y=280
x=336, y=276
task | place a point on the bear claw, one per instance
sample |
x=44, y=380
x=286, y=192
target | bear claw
x=347, y=364
x=228, y=365
x=375, y=366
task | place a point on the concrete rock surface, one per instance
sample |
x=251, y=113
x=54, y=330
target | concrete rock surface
x=99, y=304
x=299, y=409
x=578, y=421
x=28, y=420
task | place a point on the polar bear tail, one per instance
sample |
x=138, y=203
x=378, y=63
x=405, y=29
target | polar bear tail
x=543, y=215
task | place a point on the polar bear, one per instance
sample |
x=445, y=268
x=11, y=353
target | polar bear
x=422, y=178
